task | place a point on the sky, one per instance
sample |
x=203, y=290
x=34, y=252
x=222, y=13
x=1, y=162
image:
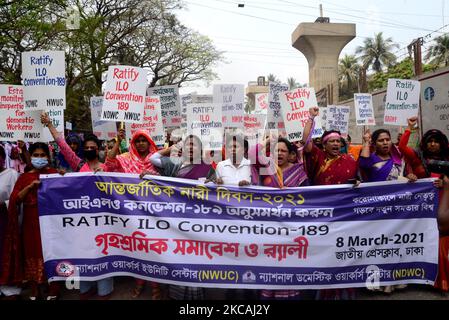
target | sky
x=256, y=39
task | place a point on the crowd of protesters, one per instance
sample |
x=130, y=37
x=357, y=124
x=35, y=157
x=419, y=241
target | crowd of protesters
x=276, y=162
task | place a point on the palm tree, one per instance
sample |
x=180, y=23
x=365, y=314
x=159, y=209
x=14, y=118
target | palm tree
x=377, y=52
x=439, y=52
x=292, y=84
x=348, y=73
x=271, y=77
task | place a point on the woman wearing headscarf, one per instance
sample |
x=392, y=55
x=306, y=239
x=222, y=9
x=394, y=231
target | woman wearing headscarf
x=137, y=160
x=22, y=251
x=433, y=146
x=76, y=145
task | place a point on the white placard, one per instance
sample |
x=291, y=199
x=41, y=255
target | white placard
x=43, y=74
x=104, y=130
x=186, y=99
x=170, y=104
x=152, y=121
x=231, y=97
x=295, y=107
x=205, y=121
x=402, y=101
x=274, y=115
x=338, y=118
x=68, y=125
x=15, y=122
x=261, y=103
x=57, y=118
x=364, y=111
x=124, y=97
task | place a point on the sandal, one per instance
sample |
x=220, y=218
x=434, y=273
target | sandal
x=138, y=290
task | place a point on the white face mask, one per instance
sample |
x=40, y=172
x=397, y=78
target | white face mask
x=39, y=163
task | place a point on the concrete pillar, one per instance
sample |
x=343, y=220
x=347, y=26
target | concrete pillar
x=322, y=43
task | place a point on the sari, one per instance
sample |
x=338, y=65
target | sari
x=324, y=171
x=22, y=250
x=131, y=162
x=375, y=169
x=172, y=168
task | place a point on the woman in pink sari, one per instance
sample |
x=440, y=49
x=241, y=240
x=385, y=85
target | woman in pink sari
x=137, y=160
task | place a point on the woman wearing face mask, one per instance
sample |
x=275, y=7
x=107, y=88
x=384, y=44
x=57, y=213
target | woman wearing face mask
x=22, y=254
x=91, y=148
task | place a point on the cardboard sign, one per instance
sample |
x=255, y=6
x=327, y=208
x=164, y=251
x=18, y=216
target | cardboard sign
x=205, y=121
x=254, y=125
x=261, y=102
x=338, y=119
x=15, y=122
x=274, y=115
x=186, y=99
x=295, y=107
x=57, y=118
x=104, y=130
x=124, y=97
x=203, y=98
x=364, y=111
x=402, y=101
x=152, y=121
x=231, y=97
x=43, y=74
x=170, y=104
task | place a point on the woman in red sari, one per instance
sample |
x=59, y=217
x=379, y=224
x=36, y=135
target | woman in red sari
x=328, y=166
x=22, y=251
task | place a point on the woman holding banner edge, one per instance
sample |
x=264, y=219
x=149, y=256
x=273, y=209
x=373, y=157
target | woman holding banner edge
x=91, y=146
x=22, y=251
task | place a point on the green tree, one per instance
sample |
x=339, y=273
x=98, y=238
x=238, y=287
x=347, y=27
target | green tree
x=292, y=84
x=271, y=77
x=439, y=52
x=377, y=52
x=348, y=76
x=401, y=70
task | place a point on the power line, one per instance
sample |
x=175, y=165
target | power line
x=381, y=22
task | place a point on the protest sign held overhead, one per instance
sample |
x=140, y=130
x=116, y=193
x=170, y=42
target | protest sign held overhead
x=231, y=97
x=104, y=130
x=186, y=99
x=338, y=119
x=43, y=76
x=254, y=125
x=57, y=118
x=152, y=121
x=364, y=112
x=274, y=116
x=170, y=104
x=205, y=121
x=124, y=97
x=402, y=101
x=15, y=122
x=295, y=107
x=261, y=100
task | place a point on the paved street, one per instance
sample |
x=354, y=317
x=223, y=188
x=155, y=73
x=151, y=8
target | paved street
x=123, y=287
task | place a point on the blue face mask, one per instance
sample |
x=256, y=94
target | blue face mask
x=39, y=163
